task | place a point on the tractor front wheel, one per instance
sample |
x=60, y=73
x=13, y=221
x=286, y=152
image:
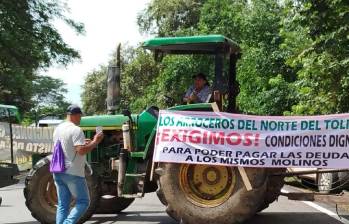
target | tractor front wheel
x=113, y=205
x=41, y=197
x=211, y=194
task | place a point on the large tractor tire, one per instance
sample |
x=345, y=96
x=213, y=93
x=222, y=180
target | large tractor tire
x=41, y=198
x=161, y=196
x=274, y=186
x=211, y=194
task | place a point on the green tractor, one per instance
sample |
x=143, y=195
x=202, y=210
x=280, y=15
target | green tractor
x=122, y=166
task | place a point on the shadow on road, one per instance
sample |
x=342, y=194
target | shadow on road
x=292, y=217
x=262, y=218
x=158, y=217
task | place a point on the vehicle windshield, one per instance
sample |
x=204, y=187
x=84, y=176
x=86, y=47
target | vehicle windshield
x=9, y=113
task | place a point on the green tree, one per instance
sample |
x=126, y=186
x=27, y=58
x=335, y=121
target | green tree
x=262, y=72
x=170, y=17
x=28, y=42
x=48, y=91
x=137, y=73
x=141, y=82
x=94, y=92
x=255, y=25
x=294, y=54
x=173, y=75
x=316, y=32
x=48, y=98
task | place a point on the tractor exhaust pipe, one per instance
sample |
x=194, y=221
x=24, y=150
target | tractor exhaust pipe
x=113, y=84
x=122, y=171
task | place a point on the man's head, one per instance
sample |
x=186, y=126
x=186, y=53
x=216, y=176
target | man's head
x=74, y=114
x=200, y=81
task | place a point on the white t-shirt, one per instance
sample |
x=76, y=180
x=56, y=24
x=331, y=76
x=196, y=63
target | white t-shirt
x=71, y=135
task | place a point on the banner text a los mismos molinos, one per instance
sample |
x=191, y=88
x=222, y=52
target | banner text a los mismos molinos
x=252, y=141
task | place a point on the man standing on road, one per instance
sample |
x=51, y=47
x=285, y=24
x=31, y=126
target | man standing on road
x=72, y=182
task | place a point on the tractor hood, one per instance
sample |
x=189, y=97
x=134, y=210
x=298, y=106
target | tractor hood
x=106, y=121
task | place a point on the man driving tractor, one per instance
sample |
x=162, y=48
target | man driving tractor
x=199, y=92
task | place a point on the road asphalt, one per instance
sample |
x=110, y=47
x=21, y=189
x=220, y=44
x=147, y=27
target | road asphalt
x=149, y=210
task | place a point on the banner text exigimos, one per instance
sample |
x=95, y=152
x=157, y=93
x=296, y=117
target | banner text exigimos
x=254, y=141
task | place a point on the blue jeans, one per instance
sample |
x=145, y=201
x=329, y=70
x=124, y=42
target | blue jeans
x=69, y=186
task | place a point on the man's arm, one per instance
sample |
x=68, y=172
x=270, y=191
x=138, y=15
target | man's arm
x=186, y=97
x=88, y=147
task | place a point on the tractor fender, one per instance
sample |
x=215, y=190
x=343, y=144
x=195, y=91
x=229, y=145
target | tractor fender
x=42, y=162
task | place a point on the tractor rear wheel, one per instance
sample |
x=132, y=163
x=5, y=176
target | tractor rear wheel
x=211, y=194
x=274, y=186
x=41, y=197
x=161, y=196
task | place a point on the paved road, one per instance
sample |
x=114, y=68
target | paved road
x=150, y=211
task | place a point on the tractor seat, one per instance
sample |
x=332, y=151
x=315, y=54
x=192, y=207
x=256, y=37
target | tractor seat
x=154, y=111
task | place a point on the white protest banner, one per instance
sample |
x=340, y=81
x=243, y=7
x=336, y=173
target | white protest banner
x=26, y=141
x=252, y=141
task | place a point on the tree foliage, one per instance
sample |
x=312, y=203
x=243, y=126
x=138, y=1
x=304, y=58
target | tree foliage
x=320, y=55
x=48, y=91
x=294, y=54
x=48, y=99
x=255, y=26
x=170, y=17
x=29, y=42
x=137, y=76
x=95, y=91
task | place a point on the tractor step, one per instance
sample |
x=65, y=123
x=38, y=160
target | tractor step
x=139, y=179
x=135, y=175
x=138, y=195
x=340, y=199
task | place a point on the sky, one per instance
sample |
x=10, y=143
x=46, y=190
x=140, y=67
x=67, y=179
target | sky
x=107, y=23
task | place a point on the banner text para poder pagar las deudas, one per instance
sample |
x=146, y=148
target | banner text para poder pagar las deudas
x=252, y=141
